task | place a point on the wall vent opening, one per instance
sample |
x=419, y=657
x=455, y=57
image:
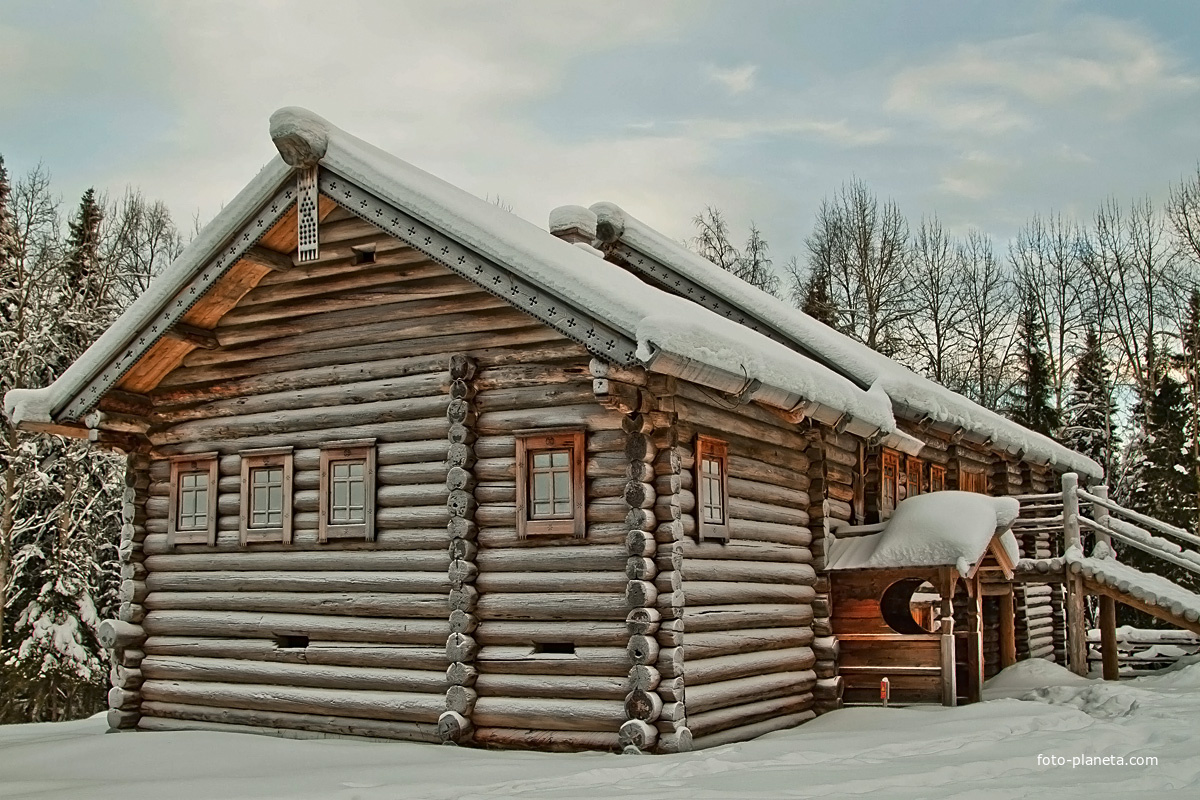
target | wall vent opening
x=364, y=254
x=291, y=641
x=554, y=648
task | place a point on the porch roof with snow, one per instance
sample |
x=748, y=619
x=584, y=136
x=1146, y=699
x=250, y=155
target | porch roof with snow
x=651, y=254
x=617, y=316
x=941, y=529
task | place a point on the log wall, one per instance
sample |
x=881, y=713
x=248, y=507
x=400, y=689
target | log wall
x=440, y=615
x=747, y=613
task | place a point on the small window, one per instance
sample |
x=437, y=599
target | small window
x=889, y=490
x=266, y=500
x=913, y=476
x=347, y=507
x=192, y=508
x=550, y=483
x=712, y=483
x=937, y=478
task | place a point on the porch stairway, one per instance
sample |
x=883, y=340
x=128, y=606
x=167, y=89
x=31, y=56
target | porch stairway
x=1101, y=573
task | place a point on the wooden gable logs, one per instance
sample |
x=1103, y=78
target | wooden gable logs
x=454, y=725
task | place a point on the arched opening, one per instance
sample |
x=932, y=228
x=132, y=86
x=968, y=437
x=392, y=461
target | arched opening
x=910, y=606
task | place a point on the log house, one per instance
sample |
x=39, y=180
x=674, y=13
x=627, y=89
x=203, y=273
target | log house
x=404, y=466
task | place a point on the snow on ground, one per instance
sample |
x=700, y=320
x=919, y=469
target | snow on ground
x=988, y=750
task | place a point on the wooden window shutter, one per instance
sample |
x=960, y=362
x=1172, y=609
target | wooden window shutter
x=192, y=505
x=937, y=477
x=711, y=480
x=551, y=486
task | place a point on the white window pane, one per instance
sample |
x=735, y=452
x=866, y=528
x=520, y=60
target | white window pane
x=357, y=494
x=341, y=470
x=276, y=498
x=189, y=502
x=356, y=469
x=562, y=506
x=559, y=459
x=541, y=486
x=562, y=485
x=341, y=494
x=541, y=460
x=542, y=509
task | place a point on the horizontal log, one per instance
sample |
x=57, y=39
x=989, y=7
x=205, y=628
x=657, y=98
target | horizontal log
x=354, y=565
x=548, y=713
x=231, y=670
x=502, y=632
x=183, y=716
x=698, y=619
x=743, y=551
x=310, y=581
x=770, y=532
x=568, y=558
x=115, y=634
x=763, y=572
x=699, y=671
x=432, y=540
x=751, y=469
x=355, y=604
x=711, y=722
x=255, y=625
x=523, y=582
x=711, y=593
x=522, y=660
x=409, y=706
x=581, y=687
x=552, y=606
x=346, y=654
x=545, y=740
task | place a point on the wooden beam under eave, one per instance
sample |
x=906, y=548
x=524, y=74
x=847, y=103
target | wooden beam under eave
x=268, y=258
x=162, y=357
x=56, y=428
x=200, y=337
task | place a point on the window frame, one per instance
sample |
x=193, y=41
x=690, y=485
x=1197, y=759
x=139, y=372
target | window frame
x=262, y=458
x=937, y=478
x=913, y=473
x=353, y=450
x=185, y=465
x=709, y=448
x=887, y=505
x=530, y=442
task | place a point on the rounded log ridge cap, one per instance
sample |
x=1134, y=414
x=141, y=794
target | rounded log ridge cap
x=573, y=218
x=610, y=222
x=300, y=136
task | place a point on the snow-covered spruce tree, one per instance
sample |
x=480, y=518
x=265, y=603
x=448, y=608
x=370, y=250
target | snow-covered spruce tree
x=1088, y=417
x=1159, y=476
x=1032, y=404
x=1189, y=336
x=62, y=517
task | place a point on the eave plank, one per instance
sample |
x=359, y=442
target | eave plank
x=162, y=357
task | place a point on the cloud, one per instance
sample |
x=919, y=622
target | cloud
x=839, y=131
x=1008, y=84
x=735, y=80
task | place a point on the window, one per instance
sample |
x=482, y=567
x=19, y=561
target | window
x=192, y=509
x=550, y=483
x=347, y=507
x=972, y=481
x=913, y=475
x=889, y=490
x=266, y=495
x=937, y=478
x=712, y=485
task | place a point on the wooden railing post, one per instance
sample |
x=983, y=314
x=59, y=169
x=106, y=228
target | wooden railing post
x=1076, y=616
x=1070, y=485
x=1101, y=514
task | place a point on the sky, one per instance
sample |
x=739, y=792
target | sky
x=981, y=113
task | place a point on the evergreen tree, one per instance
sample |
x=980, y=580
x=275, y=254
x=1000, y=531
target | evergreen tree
x=816, y=301
x=1088, y=426
x=81, y=268
x=1190, y=362
x=1032, y=405
x=1160, y=478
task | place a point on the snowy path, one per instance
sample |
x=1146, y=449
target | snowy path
x=989, y=750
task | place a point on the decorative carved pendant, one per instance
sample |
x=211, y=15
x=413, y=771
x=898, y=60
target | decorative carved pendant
x=306, y=216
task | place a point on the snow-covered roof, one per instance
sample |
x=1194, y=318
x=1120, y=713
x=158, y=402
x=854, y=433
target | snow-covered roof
x=671, y=333
x=866, y=367
x=938, y=529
